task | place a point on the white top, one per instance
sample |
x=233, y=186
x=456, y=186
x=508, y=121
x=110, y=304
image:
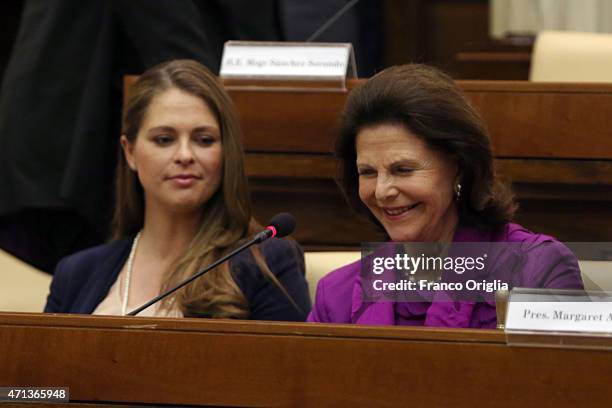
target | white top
x=112, y=304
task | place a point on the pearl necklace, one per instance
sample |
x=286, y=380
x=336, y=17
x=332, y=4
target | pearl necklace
x=128, y=276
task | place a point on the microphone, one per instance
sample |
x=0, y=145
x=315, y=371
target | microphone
x=280, y=226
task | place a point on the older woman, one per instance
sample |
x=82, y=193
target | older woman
x=181, y=203
x=415, y=157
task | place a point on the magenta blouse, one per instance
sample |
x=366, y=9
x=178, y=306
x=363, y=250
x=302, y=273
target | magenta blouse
x=339, y=296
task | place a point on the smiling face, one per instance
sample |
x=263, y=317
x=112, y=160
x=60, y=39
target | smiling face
x=178, y=153
x=406, y=185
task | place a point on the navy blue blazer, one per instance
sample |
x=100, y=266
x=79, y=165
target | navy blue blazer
x=81, y=281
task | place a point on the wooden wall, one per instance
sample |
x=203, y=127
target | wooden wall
x=453, y=35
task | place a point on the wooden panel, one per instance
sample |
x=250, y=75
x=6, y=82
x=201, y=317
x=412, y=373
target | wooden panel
x=225, y=363
x=505, y=59
x=404, y=31
x=525, y=171
x=452, y=35
x=306, y=119
x=526, y=120
x=531, y=120
x=568, y=220
x=451, y=26
x=559, y=172
x=262, y=165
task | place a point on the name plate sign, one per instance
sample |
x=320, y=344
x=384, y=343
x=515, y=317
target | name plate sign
x=541, y=313
x=287, y=60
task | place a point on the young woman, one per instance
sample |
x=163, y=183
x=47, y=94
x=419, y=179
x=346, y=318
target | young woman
x=181, y=203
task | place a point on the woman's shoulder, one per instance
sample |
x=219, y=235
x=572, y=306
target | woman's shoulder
x=87, y=272
x=530, y=241
x=283, y=257
x=283, y=296
x=334, y=295
x=546, y=262
x=91, y=258
x=517, y=233
x=276, y=253
x=279, y=248
x=99, y=252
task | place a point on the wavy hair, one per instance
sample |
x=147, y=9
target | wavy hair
x=226, y=216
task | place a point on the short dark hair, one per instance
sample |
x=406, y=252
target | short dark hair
x=428, y=103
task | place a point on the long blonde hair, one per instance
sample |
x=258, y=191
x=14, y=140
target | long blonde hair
x=226, y=216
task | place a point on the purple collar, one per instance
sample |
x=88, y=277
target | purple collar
x=440, y=313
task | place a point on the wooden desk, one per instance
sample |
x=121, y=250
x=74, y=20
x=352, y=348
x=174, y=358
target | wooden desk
x=553, y=142
x=114, y=360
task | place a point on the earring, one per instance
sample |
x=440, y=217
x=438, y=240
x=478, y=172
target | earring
x=457, y=192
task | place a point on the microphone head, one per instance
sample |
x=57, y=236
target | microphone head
x=283, y=223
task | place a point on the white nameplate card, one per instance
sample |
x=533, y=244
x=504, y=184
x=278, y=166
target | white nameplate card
x=562, y=312
x=288, y=61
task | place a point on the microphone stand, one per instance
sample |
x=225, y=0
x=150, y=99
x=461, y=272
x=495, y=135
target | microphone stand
x=260, y=237
x=331, y=21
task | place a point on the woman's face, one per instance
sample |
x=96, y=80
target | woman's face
x=178, y=153
x=406, y=185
